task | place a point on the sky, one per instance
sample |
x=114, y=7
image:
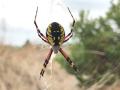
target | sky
x=18, y=16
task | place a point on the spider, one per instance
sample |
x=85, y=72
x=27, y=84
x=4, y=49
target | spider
x=55, y=36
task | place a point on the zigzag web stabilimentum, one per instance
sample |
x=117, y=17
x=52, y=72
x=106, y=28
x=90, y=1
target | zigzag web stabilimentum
x=48, y=82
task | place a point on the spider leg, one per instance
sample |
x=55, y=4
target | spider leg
x=38, y=30
x=72, y=17
x=71, y=32
x=46, y=62
x=67, y=38
x=69, y=60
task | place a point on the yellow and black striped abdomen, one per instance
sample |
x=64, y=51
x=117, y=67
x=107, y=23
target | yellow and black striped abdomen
x=55, y=34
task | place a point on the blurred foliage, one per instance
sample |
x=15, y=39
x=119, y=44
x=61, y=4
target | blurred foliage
x=97, y=50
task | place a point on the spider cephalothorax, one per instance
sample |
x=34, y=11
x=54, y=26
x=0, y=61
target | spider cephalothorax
x=55, y=36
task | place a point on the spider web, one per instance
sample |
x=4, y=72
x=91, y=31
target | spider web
x=49, y=82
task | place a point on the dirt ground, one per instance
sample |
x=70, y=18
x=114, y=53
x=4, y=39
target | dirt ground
x=20, y=68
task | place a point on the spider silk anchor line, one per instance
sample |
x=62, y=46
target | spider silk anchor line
x=55, y=37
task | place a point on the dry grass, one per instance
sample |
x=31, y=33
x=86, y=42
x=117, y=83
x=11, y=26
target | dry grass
x=20, y=68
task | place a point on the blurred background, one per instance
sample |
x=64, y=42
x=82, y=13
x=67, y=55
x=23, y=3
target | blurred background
x=17, y=16
x=94, y=48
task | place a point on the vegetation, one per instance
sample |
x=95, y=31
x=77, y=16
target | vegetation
x=97, y=50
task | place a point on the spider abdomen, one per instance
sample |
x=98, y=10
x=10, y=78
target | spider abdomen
x=55, y=34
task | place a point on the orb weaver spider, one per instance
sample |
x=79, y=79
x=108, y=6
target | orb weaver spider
x=55, y=36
